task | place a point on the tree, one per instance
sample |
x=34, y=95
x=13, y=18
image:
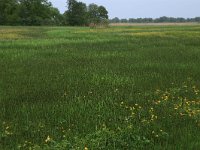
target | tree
x=115, y=20
x=56, y=17
x=197, y=19
x=97, y=14
x=80, y=17
x=34, y=12
x=77, y=13
x=70, y=4
x=124, y=20
x=70, y=12
x=41, y=12
x=8, y=12
x=93, y=13
x=103, y=13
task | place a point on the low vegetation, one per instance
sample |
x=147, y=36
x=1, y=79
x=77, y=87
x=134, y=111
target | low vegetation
x=102, y=88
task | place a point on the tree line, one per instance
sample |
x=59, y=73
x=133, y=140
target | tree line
x=42, y=12
x=163, y=19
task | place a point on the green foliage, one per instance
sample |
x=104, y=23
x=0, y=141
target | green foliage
x=103, y=13
x=34, y=12
x=56, y=17
x=77, y=86
x=163, y=19
x=93, y=13
x=79, y=15
x=41, y=12
x=29, y=12
x=98, y=15
x=8, y=12
x=101, y=140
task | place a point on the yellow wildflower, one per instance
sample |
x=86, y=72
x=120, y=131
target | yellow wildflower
x=85, y=148
x=48, y=139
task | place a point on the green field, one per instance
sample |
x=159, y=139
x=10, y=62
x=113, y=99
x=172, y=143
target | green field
x=116, y=88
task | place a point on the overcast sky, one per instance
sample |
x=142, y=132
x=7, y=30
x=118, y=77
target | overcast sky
x=143, y=8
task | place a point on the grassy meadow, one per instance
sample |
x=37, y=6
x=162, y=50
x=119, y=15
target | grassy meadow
x=77, y=88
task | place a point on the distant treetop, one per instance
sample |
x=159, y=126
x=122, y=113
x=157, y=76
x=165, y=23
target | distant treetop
x=41, y=12
x=79, y=14
x=163, y=19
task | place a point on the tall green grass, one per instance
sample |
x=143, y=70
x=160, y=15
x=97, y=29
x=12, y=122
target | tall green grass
x=74, y=88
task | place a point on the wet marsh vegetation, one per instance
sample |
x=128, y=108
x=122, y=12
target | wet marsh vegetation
x=123, y=87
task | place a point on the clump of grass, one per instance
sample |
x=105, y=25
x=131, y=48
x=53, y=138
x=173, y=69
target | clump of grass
x=144, y=126
x=83, y=87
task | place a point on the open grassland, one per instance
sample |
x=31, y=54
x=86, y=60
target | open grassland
x=115, y=88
